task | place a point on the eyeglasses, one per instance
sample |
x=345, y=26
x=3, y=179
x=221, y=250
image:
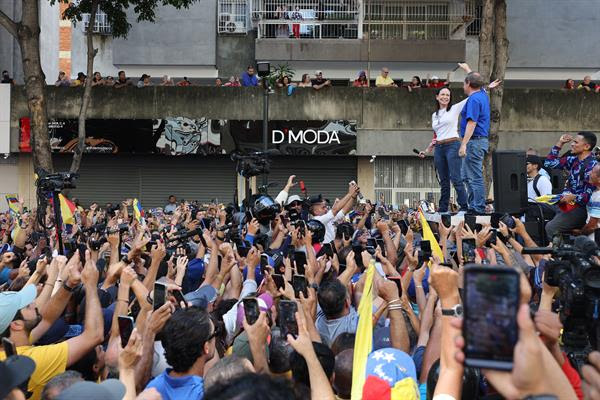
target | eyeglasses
x=216, y=332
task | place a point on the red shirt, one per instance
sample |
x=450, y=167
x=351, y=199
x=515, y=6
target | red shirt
x=573, y=377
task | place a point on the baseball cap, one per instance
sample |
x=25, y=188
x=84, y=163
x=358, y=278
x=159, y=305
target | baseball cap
x=11, y=302
x=317, y=199
x=14, y=371
x=435, y=77
x=202, y=297
x=317, y=72
x=110, y=389
x=532, y=159
x=391, y=374
x=362, y=73
x=292, y=199
x=265, y=302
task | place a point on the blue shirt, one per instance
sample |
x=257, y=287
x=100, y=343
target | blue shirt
x=184, y=388
x=477, y=109
x=248, y=80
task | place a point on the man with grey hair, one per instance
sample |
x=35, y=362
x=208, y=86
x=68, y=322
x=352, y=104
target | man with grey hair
x=56, y=385
x=474, y=131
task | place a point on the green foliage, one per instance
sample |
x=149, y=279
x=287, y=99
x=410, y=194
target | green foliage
x=279, y=71
x=116, y=11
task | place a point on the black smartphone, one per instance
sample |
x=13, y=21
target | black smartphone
x=508, y=220
x=403, y=226
x=326, y=249
x=160, y=295
x=300, y=285
x=251, y=309
x=9, y=347
x=397, y=279
x=491, y=303
x=243, y=251
x=279, y=281
x=468, y=250
x=287, y=318
x=495, y=220
x=371, y=245
x=178, y=297
x=300, y=260
x=471, y=221
x=264, y=262
x=446, y=220
x=358, y=249
x=493, y=238
x=381, y=244
x=125, y=329
x=425, y=246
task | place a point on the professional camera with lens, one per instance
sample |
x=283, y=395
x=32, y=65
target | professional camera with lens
x=265, y=209
x=56, y=182
x=252, y=164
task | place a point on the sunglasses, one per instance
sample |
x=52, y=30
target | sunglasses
x=217, y=332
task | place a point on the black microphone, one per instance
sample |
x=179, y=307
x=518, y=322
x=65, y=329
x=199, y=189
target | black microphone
x=537, y=250
x=586, y=246
x=417, y=152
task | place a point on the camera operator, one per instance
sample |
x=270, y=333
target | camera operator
x=577, y=192
x=320, y=211
x=593, y=206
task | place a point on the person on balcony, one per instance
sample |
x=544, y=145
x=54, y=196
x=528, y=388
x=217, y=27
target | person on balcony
x=362, y=80
x=384, y=79
x=296, y=16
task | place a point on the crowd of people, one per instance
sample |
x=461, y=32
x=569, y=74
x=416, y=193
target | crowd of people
x=210, y=301
x=586, y=84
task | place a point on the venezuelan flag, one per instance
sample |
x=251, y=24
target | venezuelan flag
x=138, y=211
x=428, y=235
x=13, y=203
x=67, y=209
x=364, y=335
x=549, y=198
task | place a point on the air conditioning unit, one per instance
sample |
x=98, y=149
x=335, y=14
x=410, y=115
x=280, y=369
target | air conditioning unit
x=228, y=24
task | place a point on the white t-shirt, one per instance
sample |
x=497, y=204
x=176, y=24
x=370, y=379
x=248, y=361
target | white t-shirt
x=328, y=220
x=593, y=209
x=445, y=123
x=544, y=186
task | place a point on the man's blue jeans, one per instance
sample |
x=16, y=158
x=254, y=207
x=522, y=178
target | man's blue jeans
x=449, y=168
x=472, y=172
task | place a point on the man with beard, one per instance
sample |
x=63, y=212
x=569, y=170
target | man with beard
x=24, y=324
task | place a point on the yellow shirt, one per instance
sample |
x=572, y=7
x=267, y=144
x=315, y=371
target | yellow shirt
x=381, y=81
x=49, y=361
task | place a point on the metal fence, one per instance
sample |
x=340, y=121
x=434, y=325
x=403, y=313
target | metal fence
x=348, y=19
x=233, y=17
x=317, y=19
x=101, y=24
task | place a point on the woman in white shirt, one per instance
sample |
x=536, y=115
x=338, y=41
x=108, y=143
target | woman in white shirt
x=446, y=143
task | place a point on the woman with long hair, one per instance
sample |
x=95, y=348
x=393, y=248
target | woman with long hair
x=446, y=143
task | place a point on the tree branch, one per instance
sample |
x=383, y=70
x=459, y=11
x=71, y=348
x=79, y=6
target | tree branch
x=8, y=24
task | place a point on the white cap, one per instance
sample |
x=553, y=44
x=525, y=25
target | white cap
x=434, y=77
x=293, y=198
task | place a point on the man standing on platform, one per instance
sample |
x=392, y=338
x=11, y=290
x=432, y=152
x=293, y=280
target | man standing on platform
x=474, y=130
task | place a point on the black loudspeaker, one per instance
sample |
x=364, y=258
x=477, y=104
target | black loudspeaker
x=557, y=178
x=510, y=181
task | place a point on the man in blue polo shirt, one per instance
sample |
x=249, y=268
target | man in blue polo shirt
x=474, y=130
x=249, y=77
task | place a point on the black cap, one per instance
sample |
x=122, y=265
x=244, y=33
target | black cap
x=532, y=159
x=14, y=371
x=317, y=199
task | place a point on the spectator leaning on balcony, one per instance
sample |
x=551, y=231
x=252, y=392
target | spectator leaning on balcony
x=296, y=16
x=569, y=84
x=249, y=77
x=234, y=81
x=144, y=81
x=109, y=81
x=414, y=84
x=6, y=78
x=167, y=81
x=122, y=81
x=319, y=82
x=97, y=79
x=436, y=83
x=384, y=79
x=218, y=82
x=305, y=82
x=184, y=82
x=587, y=84
x=80, y=81
x=62, y=80
x=362, y=80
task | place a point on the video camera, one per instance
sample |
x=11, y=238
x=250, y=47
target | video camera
x=55, y=182
x=575, y=272
x=252, y=164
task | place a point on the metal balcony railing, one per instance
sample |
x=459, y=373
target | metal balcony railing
x=355, y=19
x=101, y=24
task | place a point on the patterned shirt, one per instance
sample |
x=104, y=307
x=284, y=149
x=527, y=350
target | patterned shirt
x=578, y=180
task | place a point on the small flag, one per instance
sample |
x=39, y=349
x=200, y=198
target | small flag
x=364, y=335
x=67, y=209
x=138, y=211
x=428, y=235
x=549, y=198
x=13, y=204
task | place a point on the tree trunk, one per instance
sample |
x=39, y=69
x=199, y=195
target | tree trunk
x=486, y=42
x=87, y=91
x=501, y=60
x=27, y=33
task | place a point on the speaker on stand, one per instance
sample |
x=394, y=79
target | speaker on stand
x=510, y=181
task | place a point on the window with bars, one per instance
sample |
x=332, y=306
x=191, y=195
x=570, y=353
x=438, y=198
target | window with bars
x=101, y=24
x=233, y=17
x=406, y=20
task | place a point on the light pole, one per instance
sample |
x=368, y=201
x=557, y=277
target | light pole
x=264, y=70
